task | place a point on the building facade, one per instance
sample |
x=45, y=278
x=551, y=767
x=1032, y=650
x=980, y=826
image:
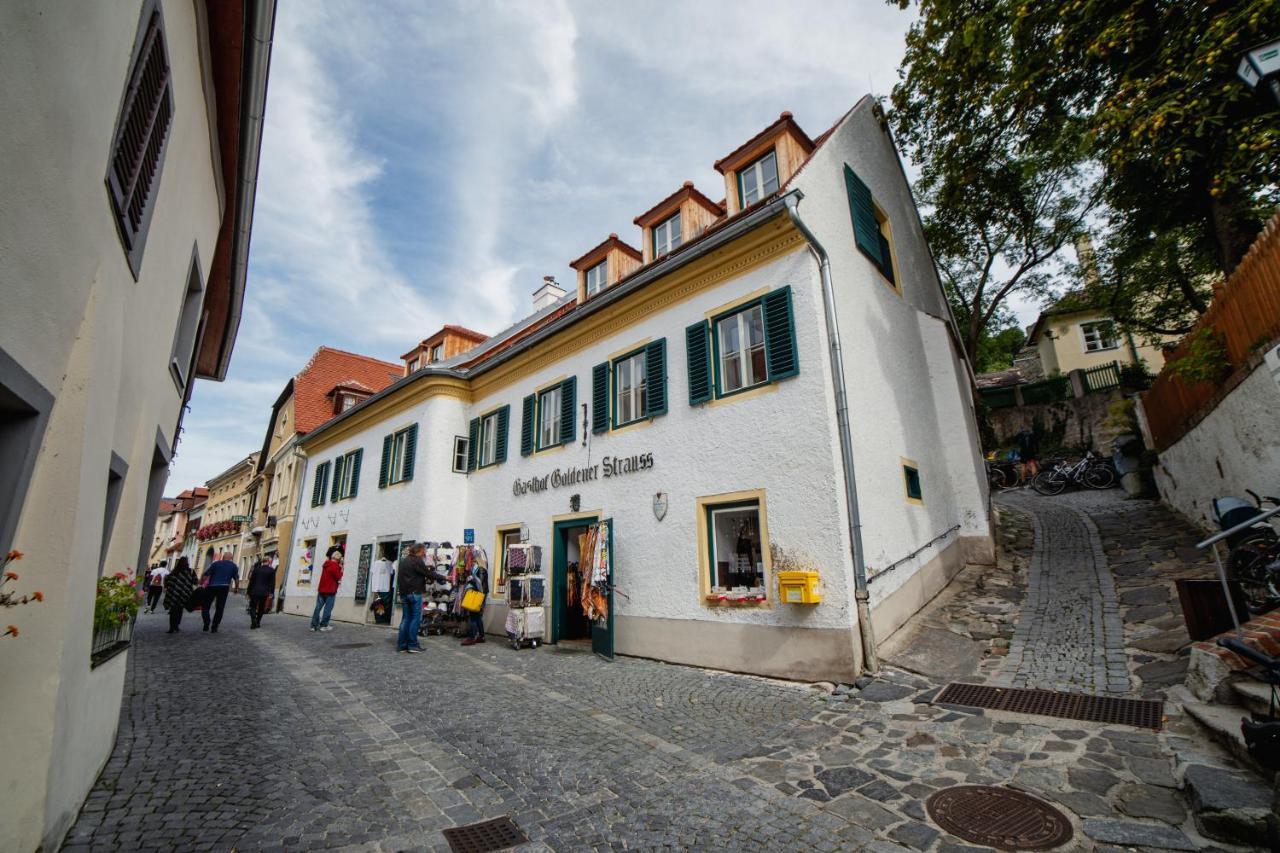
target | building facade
x=130, y=144
x=225, y=526
x=689, y=398
x=1068, y=338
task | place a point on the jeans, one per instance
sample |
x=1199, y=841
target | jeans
x=410, y=621
x=219, y=601
x=476, y=631
x=257, y=607
x=153, y=596
x=324, y=602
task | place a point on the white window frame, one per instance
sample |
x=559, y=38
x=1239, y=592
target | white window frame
x=666, y=235
x=597, y=277
x=347, y=401
x=460, y=454
x=548, y=418
x=342, y=467
x=395, y=467
x=1096, y=327
x=757, y=172
x=437, y=353
x=743, y=328
x=629, y=391
x=488, y=440
x=413, y=365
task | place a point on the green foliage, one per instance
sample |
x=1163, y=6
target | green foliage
x=1135, y=376
x=1121, y=416
x=1204, y=357
x=996, y=350
x=116, y=603
x=1135, y=101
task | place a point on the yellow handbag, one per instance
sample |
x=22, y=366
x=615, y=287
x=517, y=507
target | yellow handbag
x=473, y=601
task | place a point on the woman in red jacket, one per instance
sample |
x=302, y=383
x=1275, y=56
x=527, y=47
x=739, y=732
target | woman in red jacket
x=330, y=578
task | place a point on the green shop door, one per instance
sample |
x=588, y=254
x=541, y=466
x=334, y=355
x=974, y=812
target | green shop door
x=602, y=629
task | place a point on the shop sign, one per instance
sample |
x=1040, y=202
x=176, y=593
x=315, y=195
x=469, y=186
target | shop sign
x=362, y=574
x=468, y=536
x=606, y=469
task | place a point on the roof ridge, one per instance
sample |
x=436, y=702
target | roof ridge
x=374, y=359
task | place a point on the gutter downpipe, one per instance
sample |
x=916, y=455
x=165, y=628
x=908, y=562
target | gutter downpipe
x=862, y=597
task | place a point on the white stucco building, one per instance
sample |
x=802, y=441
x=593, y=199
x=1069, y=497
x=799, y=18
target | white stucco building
x=130, y=142
x=688, y=392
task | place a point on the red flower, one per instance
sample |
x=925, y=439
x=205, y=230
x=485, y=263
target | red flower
x=120, y=576
x=38, y=595
x=11, y=631
x=11, y=576
x=13, y=555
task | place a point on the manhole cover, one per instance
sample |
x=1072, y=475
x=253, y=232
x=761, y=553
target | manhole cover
x=999, y=817
x=353, y=645
x=495, y=834
x=1140, y=713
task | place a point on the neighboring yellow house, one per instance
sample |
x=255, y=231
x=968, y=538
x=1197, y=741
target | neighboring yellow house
x=1068, y=339
x=229, y=498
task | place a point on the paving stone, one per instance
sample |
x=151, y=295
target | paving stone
x=839, y=780
x=883, y=691
x=916, y=835
x=1148, y=801
x=1094, y=781
x=1229, y=805
x=863, y=812
x=1137, y=834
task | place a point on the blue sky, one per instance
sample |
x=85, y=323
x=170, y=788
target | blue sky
x=429, y=163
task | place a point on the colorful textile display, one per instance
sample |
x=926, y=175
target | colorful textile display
x=595, y=572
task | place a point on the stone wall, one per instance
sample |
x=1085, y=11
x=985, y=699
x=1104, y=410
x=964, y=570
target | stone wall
x=1078, y=422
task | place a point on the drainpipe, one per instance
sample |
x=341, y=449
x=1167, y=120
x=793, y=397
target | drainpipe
x=870, y=658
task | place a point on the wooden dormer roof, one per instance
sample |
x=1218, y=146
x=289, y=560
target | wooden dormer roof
x=659, y=211
x=592, y=257
x=747, y=151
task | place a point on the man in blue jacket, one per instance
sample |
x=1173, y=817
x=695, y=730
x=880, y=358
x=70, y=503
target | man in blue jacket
x=222, y=575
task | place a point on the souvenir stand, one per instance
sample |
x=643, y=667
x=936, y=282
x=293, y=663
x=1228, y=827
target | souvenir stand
x=526, y=590
x=466, y=558
x=439, y=613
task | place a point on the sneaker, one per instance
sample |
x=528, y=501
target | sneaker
x=479, y=639
x=414, y=651
x=327, y=628
x=313, y=628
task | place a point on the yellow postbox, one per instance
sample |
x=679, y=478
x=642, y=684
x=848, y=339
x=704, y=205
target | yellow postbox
x=799, y=587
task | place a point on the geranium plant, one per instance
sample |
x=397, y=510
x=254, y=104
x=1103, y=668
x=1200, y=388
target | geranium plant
x=10, y=598
x=117, y=601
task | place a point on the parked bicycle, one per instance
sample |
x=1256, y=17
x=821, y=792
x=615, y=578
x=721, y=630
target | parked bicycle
x=1090, y=472
x=1254, y=560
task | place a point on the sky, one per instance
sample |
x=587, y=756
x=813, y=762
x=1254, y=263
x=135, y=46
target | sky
x=429, y=163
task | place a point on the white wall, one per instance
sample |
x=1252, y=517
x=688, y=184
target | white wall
x=1233, y=449
x=76, y=319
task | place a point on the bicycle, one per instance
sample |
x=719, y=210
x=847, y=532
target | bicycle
x=1092, y=472
x=1254, y=559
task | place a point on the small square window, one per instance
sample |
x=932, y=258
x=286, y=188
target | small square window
x=911, y=478
x=597, y=277
x=740, y=352
x=459, y=454
x=1099, y=336
x=666, y=236
x=549, y=418
x=735, y=547
x=758, y=180
x=437, y=353
x=413, y=365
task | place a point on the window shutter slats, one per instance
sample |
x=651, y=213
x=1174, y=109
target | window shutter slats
x=699, y=357
x=526, y=424
x=324, y=488
x=500, y=443
x=384, y=470
x=600, y=398
x=655, y=378
x=866, y=231
x=473, y=444
x=317, y=490
x=568, y=405
x=410, y=451
x=780, y=335
x=334, y=492
x=355, y=472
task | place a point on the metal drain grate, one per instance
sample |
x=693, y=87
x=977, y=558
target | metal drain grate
x=999, y=817
x=496, y=834
x=1140, y=713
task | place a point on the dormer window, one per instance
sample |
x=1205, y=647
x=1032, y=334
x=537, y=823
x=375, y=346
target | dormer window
x=758, y=179
x=437, y=353
x=413, y=365
x=345, y=401
x=597, y=277
x=666, y=236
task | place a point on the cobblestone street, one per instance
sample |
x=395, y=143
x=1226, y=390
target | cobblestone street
x=286, y=739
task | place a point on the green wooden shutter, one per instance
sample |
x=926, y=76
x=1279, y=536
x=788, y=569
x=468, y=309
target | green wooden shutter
x=568, y=408
x=699, y=355
x=526, y=424
x=384, y=470
x=780, y=335
x=866, y=231
x=337, y=480
x=473, y=444
x=500, y=444
x=317, y=491
x=655, y=378
x=355, y=471
x=600, y=398
x=410, y=451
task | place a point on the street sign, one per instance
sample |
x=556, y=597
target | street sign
x=242, y=518
x=468, y=536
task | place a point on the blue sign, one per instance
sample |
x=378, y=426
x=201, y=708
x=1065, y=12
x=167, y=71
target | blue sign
x=468, y=536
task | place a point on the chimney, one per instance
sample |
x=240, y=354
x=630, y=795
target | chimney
x=549, y=294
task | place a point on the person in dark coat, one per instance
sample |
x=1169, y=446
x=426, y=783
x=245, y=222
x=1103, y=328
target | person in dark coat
x=178, y=586
x=262, y=583
x=479, y=581
x=412, y=576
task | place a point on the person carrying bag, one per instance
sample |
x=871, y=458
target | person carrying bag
x=477, y=590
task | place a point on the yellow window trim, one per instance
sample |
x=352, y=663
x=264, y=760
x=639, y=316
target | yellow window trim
x=704, y=556
x=910, y=463
x=767, y=388
x=886, y=229
x=627, y=351
x=734, y=303
x=552, y=449
x=547, y=386
x=499, y=555
x=643, y=422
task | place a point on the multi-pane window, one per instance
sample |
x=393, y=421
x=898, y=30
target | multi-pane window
x=736, y=547
x=396, y=470
x=413, y=365
x=740, y=350
x=506, y=538
x=437, y=353
x=459, y=454
x=597, y=277
x=488, y=440
x=549, y=417
x=346, y=472
x=1099, y=336
x=758, y=180
x=666, y=236
x=629, y=389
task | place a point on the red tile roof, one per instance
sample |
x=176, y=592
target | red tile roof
x=330, y=367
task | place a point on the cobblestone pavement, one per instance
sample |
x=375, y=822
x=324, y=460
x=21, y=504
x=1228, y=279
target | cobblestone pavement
x=1070, y=635
x=282, y=739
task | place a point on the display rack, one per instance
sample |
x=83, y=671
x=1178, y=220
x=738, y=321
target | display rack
x=526, y=592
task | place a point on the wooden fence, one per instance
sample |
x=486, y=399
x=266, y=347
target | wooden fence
x=1102, y=378
x=1245, y=316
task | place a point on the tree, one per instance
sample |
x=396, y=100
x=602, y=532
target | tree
x=997, y=349
x=1142, y=92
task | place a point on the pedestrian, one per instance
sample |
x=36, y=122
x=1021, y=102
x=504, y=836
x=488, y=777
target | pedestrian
x=178, y=586
x=221, y=576
x=478, y=580
x=1028, y=450
x=155, y=586
x=412, y=575
x=330, y=579
x=262, y=583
